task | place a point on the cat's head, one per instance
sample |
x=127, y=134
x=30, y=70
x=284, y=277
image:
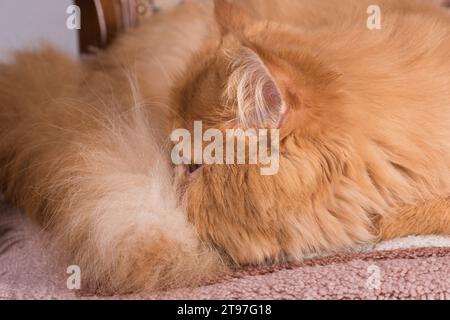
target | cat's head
x=260, y=74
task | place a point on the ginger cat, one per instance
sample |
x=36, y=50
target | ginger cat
x=364, y=118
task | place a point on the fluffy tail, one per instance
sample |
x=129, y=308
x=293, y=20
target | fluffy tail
x=91, y=172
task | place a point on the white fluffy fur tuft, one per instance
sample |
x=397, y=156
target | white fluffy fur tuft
x=93, y=173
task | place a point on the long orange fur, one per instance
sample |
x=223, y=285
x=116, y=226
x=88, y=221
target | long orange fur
x=364, y=155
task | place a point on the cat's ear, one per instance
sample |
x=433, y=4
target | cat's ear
x=261, y=88
x=231, y=18
x=263, y=92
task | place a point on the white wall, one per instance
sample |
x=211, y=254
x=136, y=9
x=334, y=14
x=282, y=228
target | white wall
x=26, y=23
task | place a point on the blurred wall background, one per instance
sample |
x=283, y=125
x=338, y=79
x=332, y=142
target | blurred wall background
x=25, y=23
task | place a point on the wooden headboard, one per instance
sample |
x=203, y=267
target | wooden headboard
x=103, y=20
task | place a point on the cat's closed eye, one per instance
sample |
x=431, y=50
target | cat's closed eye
x=193, y=168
